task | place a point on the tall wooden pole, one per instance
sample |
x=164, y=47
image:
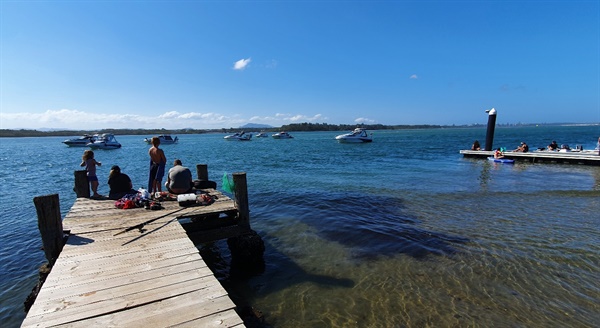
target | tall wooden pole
x=491, y=126
x=241, y=198
x=50, y=225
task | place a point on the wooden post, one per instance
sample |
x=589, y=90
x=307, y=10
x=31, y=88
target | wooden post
x=241, y=198
x=202, y=172
x=50, y=225
x=82, y=186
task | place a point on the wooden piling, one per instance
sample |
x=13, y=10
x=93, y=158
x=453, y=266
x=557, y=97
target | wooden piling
x=82, y=186
x=50, y=225
x=241, y=198
x=202, y=172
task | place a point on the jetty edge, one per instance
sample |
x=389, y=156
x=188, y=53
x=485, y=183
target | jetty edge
x=137, y=267
x=552, y=157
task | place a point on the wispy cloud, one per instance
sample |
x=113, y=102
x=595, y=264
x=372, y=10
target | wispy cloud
x=365, y=120
x=414, y=77
x=241, y=64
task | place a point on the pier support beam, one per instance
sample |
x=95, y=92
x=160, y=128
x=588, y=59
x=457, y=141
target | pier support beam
x=241, y=198
x=202, y=182
x=50, y=225
x=82, y=185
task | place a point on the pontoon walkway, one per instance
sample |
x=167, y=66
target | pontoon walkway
x=133, y=268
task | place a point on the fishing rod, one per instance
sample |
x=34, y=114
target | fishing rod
x=141, y=225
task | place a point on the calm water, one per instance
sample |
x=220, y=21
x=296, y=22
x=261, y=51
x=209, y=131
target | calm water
x=402, y=232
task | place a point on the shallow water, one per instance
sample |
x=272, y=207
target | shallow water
x=400, y=232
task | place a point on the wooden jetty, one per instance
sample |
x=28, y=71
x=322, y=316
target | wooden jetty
x=135, y=267
x=573, y=157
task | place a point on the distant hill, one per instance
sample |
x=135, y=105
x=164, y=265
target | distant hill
x=256, y=126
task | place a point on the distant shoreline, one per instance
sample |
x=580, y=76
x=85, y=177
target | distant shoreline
x=297, y=127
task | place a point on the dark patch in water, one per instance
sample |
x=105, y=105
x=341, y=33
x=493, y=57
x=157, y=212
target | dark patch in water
x=372, y=225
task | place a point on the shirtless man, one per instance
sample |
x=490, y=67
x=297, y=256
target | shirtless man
x=157, y=166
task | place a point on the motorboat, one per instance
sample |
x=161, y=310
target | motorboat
x=105, y=141
x=239, y=136
x=165, y=139
x=357, y=136
x=262, y=134
x=282, y=135
x=81, y=141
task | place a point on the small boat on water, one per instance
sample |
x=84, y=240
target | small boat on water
x=262, y=134
x=239, y=136
x=282, y=135
x=357, y=136
x=82, y=141
x=501, y=160
x=165, y=139
x=106, y=141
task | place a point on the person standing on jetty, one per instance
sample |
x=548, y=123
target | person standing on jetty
x=158, y=160
x=90, y=166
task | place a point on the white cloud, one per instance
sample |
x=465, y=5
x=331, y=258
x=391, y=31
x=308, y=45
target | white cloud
x=241, y=64
x=365, y=120
x=76, y=120
x=414, y=77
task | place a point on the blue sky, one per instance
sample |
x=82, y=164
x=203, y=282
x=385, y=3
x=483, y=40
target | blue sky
x=221, y=64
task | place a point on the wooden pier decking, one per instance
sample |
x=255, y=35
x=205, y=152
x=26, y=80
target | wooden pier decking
x=136, y=268
x=574, y=157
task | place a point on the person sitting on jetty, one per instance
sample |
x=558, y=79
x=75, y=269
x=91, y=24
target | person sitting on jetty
x=476, y=145
x=179, y=179
x=553, y=146
x=522, y=148
x=498, y=153
x=120, y=184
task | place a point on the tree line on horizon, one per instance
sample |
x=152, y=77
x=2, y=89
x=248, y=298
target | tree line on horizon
x=296, y=127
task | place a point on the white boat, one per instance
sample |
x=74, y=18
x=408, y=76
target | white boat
x=82, y=141
x=357, y=136
x=282, y=135
x=165, y=139
x=106, y=141
x=239, y=136
x=262, y=134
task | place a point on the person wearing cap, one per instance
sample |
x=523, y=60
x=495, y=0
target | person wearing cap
x=120, y=184
x=523, y=147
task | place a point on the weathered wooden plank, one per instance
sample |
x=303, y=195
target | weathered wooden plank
x=141, y=261
x=71, y=310
x=170, y=312
x=124, y=280
x=114, y=253
x=219, y=319
x=139, y=271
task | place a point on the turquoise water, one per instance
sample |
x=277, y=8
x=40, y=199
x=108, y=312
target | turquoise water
x=401, y=232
